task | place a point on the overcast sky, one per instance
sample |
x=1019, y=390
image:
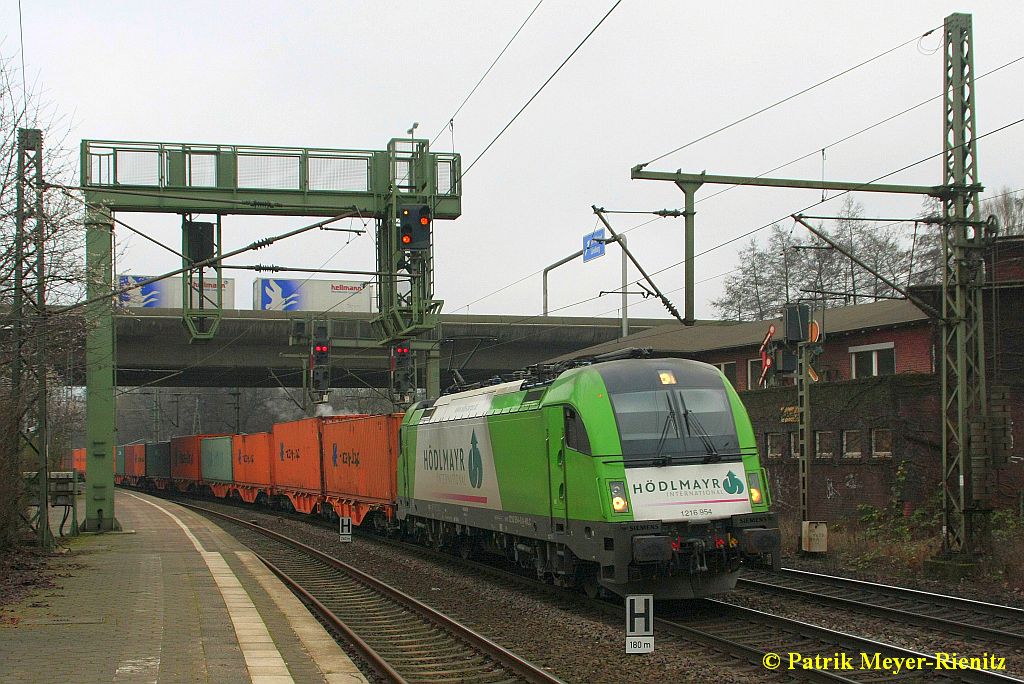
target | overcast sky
x=654, y=76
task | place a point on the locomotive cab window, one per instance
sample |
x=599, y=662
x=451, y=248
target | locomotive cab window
x=575, y=431
x=689, y=423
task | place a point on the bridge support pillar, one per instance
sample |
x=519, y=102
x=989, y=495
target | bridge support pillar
x=99, y=374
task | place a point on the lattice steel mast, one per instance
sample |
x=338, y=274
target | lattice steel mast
x=28, y=313
x=965, y=463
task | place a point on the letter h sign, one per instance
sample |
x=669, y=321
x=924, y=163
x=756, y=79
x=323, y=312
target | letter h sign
x=640, y=623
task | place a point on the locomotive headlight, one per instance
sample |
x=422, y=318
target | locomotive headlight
x=617, y=489
x=754, y=485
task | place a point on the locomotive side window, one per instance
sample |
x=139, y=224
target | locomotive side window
x=575, y=432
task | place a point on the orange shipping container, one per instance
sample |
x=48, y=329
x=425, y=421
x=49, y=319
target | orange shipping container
x=360, y=464
x=135, y=461
x=185, y=458
x=252, y=464
x=296, y=455
x=78, y=461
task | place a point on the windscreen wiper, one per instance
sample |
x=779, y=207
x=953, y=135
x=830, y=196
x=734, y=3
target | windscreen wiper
x=664, y=430
x=709, y=447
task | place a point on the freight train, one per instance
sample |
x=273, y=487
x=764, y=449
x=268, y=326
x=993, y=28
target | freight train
x=624, y=476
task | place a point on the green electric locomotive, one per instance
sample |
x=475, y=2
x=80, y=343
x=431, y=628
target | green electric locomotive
x=629, y=476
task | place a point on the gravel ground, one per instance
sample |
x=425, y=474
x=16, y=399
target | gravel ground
x=577, y=643
x=889, y=631
x=977, y=588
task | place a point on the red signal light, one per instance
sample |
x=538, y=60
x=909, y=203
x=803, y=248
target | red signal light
x=406, y=239
x=424, y=221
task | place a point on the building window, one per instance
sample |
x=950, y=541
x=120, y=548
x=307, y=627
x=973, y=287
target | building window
x=794, y=444
x=851, y=443
x=823, y=443
x=729, y=370
x=754, y=369
x=869, y=360
x=773, y=444
x=881, y=443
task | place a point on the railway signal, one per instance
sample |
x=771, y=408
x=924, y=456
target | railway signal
x=414, y=222
x=320, y=359
x=403, y=367
x=320, y=350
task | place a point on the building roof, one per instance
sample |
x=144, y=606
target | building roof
x=675, y=338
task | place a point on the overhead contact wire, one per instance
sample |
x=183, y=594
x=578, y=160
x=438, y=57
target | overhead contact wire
x=829, y=199
x=543, y=85
x=790, y=97
x=451, y=118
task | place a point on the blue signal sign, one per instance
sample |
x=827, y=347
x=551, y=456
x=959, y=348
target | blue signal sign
x=593, y=245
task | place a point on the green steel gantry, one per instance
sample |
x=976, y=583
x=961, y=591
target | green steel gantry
x=220, y=180
x=965, y=465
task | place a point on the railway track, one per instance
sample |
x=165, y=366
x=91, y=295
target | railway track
x=985, y=622
x=753, y=635
x=747, y=635
x=401, y=638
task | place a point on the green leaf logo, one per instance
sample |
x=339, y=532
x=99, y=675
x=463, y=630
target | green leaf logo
x=476, y=465
x=733, y=484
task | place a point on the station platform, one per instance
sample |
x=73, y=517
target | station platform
x=171, y=598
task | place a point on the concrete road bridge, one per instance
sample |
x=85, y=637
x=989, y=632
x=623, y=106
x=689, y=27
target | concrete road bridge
x=252, y=348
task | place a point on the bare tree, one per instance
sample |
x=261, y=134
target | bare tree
x=1008, y=208
x=768, y=276
x=41, y=334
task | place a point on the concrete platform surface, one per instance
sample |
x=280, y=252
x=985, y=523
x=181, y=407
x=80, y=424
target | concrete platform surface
x=172, y=598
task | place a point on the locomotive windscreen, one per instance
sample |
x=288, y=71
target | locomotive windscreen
x=671, y=409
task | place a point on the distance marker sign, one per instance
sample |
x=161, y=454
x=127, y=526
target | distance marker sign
x=640, y=623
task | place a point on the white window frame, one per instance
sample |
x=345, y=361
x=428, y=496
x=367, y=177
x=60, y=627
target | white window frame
x=846, y=452
x=752, y=382
x=794, y=444
x=874, y=348
x=874, y=451
x=721, y=366
x=780, y=444
x=817, y=444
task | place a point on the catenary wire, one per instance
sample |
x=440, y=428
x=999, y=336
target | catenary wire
x=828, y=199
x=855, y=134
x=24, y=81
x=537, y=272
x=790, y=97
x=258, y=244
x=776, y=168
x=244, y=332
x=543, y=85
x=464, y=101
x=69, y=193
x=997, y=130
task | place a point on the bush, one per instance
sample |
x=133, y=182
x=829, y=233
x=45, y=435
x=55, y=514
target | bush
x=12, y=498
